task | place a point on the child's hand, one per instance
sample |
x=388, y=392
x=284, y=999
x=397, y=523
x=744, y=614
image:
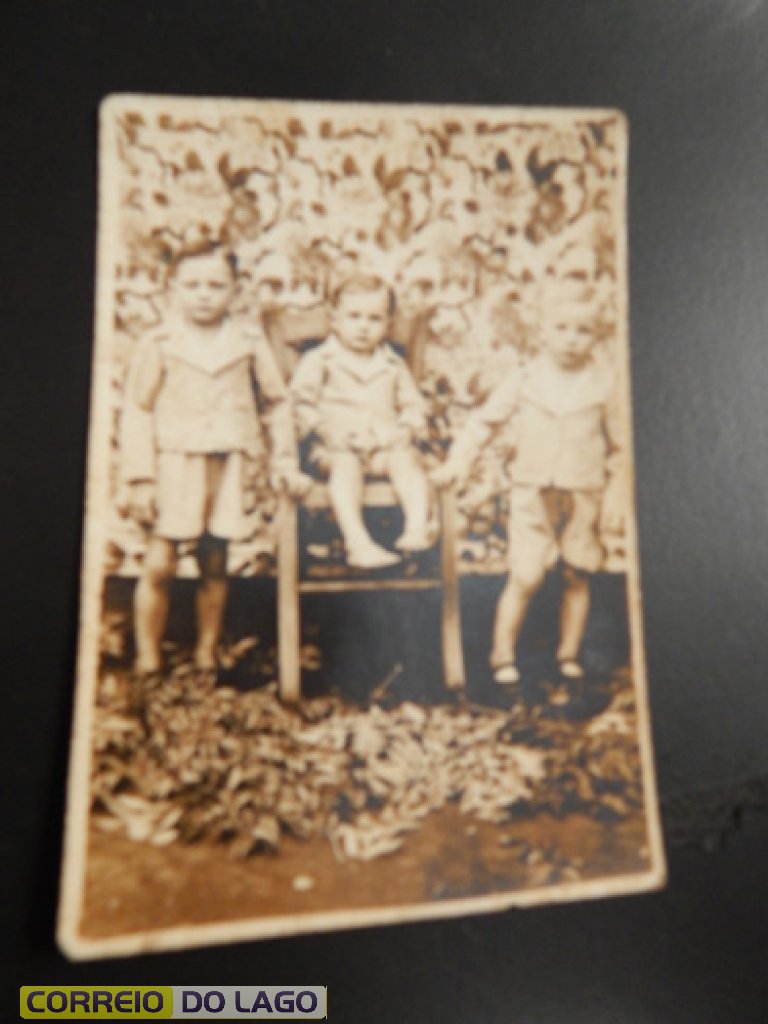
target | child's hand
x=361, y=439
x=404, y=435
x=613, y=523
x=142, y=505
x=123, y=501
x=293, y=482
x=612, y=516
x=445, y=475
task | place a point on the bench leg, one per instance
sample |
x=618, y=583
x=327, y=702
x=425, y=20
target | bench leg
x=288, y=619
x=453, y=653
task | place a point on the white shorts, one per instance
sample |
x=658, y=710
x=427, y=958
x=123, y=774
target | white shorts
x=374, y=461
x=548, y=523
x=199, y=493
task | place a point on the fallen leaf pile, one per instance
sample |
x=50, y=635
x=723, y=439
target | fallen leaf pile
x=195, y=761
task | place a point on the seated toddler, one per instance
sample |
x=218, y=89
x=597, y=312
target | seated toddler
x=357, y=396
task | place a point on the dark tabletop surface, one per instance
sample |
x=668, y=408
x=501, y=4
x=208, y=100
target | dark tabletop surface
x=693, y=80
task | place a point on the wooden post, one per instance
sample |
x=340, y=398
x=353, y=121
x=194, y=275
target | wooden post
x=288, y=617
x=453, y=653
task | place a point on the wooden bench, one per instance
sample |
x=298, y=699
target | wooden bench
x=290, y=586
x=377, y=494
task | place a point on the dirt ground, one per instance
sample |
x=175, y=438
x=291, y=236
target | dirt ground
x=134, y=887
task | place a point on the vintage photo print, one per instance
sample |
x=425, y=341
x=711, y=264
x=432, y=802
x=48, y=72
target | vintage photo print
x=361, y=624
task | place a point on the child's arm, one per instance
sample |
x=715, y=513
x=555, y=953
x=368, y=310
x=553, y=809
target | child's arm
x=479, y=428
x=278, y=418
x=410, y=405
x=616, y=496
x=137, y=436
x=306, y=389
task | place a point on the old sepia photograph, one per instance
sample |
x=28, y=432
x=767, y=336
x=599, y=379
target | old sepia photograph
x=361, y=625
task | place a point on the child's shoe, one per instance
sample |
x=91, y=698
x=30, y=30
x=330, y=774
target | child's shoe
x=570, y=669
x=206, y=661
x=141, y=686
x=412, y=541
x=371, y=556
x=506, y=675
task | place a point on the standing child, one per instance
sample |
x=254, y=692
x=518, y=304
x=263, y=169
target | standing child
x=356, y=394
x=567, y=476
x=192, y=443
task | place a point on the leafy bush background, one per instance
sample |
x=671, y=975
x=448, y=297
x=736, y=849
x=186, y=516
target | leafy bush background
x=469, y=217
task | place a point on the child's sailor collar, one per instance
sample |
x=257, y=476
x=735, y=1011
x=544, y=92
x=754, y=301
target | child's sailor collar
x=364, y=370
x=563, y=393
x=225, y=347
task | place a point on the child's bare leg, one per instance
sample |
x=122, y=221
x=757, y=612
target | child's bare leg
x=573, y=619
x=211, y=599
x=150, y=602
x=410, y=484
x=345, y=485
x=510, y=614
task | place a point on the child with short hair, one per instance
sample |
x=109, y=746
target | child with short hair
x=192, y=442
x=357, y=396
x=568, y=476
